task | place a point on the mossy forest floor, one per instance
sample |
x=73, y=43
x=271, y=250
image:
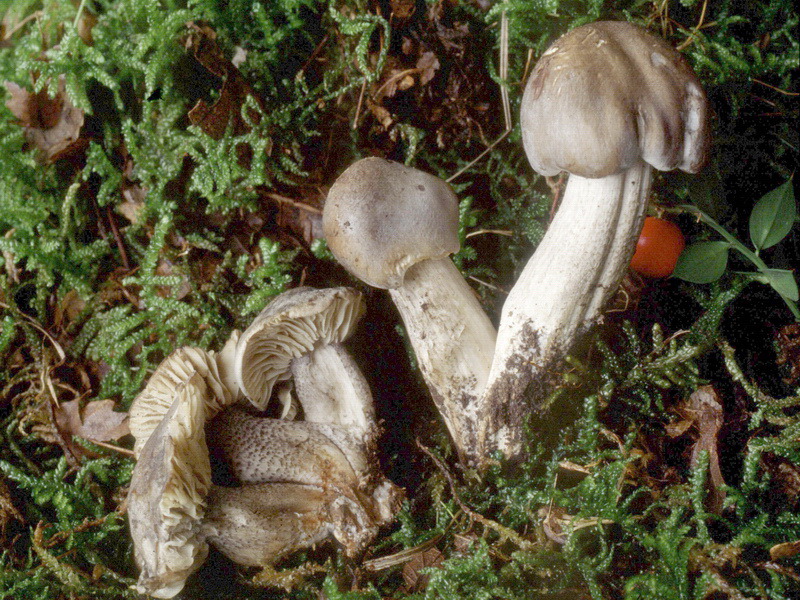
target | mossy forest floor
x=163, y=164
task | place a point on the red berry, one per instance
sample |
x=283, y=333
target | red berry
x=659, y=246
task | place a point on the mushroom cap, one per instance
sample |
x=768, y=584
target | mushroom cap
x=155, y=400
x=167, y=494
x=382, y=217
x=293, y=324
x=607, y=94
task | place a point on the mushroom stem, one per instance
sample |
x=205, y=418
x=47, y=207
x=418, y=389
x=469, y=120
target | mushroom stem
x=453, y=340
x=332, y=389
x=560, y=293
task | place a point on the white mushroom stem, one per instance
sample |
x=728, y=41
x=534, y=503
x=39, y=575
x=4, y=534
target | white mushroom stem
x=453, y=340
x=332, y=389
x=560, y=293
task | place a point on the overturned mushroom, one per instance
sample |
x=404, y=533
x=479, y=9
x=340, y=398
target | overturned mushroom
x=606, y=102
x=305, y=481
x=166, y=502
x=394, y=228
x=298, y=336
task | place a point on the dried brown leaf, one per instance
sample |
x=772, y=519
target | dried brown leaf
x=215, y=118
x=98, y=421
x=415, y=580
x=703, y=414
x=427, y=64
x=785, y=550
x=53, y=125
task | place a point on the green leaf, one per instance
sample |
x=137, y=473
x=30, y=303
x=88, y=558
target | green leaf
x=702, y=262
x=783, y=282
x=773, y=216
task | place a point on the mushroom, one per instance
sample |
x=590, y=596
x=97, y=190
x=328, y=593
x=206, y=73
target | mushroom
x=394, y=227
x=298, y=336
x=168, y=487
x=606, y=102
x=175, y=511
x=216, y=371
x=306, y=480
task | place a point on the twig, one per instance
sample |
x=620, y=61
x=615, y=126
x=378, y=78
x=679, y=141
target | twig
x=487, y=284
x=506, y=232
x=777, y=89
x=59, y=350
x=119, y=449
x=118, y=238
x=295, y=203
x=360, y=103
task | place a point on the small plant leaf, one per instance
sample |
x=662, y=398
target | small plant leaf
x=783, y=282
x=702, y=262
x=773, y=216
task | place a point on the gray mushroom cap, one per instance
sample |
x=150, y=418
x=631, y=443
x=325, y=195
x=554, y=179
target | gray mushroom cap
x=608, y=94
x=382, y=217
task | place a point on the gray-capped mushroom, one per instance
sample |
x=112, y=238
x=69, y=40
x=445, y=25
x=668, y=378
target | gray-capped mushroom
x=394, y=228
x=158, y=396
x=606, y=102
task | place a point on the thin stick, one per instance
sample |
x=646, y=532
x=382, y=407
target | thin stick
x=506, y=232
x=118, y=238
x=295, y=203
x=360, y=102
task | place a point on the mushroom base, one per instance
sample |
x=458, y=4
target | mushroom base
x=559, y=295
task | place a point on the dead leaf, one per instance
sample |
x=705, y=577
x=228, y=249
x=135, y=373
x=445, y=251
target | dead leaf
x=789, y=352
x=52, y=125
x=133, y=202
x=427, y=65
x=215, y=118
x=68, y=309
x=98, y=421
x=8, y=512
x=102, y=423
x=702, y=412
x=785, y=550
x=415, y=580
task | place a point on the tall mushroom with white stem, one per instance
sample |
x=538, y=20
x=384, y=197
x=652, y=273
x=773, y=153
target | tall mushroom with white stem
x=394, y=228
x=606, y=102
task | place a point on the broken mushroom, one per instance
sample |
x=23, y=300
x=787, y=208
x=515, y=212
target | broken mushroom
x=303, y=481
x=298, y=336
x=394, y=228
x=607, y=102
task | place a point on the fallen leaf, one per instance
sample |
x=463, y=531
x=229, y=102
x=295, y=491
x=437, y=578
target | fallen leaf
x=98, y=421
x=427, y=64
x=215, y=118
x=102, y=423
x=702, y=413
x=133, y=202
x=68, y=309
x=789, y=352
x=52, y=125
x=785, y=550
x=415, y=580
x=8, y=512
